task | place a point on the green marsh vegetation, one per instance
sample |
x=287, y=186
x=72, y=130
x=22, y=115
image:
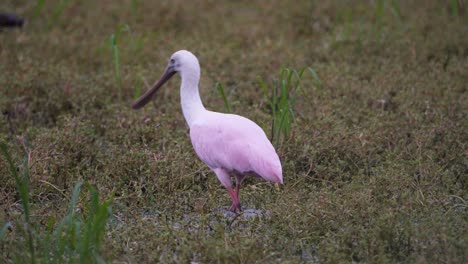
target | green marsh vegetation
x=115, y=55
x=281, y=97
x=373, y=149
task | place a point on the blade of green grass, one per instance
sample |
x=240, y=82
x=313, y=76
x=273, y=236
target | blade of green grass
x=135, y=4
x=38, y=8
x=57, y=12
x=4, y=229
x=395, y=6
x=82, y=237
x=282, y=97
x=454, y=8
x=115, y=55
x=379, y=13
x=318, y=82
x=220, y=89
x=22, y=185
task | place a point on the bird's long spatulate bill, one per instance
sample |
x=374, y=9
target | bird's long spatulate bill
x=144, y=99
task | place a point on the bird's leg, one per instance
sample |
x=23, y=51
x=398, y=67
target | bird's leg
x=235, y=207
x=239, y=180
x=223, y=177
x=237, y=189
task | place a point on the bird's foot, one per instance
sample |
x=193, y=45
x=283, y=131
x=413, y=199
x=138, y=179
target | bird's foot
x=235, y=208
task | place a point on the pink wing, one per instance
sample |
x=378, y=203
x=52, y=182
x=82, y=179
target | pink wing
x=235, y=143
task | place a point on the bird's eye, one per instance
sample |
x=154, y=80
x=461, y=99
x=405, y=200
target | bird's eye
x=172, y=61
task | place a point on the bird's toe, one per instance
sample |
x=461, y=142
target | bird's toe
x=235, y=208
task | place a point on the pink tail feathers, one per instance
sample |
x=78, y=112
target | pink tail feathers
x=278, y=174
x=273, y=172
x=268, y=166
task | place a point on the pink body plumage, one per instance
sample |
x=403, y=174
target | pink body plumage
x=235, y=144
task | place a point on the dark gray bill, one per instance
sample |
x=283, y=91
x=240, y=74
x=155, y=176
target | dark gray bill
x=144, y=99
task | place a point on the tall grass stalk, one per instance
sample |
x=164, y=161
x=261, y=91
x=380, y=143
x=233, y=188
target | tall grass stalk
x=38, y=8
x=135, y=4
x=395, y=6
x=454, y=7
x=138, y=87
x=76, y=238
x=5, y=227
x=82, y=237
x=379, y=13
x=115, y=55
x=57, y=12
x=227, y=104
x=347, y=21
x=22, y=185
x=281, y=98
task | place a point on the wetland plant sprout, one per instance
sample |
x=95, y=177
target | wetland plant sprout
x=135, y=4
x=115, y=55
x=75, y=238
x=22, y=184
x=39, y=7
x=379, y=13
x=281, y=98
x=79, y=237
x=227, y=104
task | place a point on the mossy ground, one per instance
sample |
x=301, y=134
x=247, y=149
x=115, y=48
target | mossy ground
x=375, y=169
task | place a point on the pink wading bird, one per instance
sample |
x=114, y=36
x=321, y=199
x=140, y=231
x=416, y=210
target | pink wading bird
x=226, y=143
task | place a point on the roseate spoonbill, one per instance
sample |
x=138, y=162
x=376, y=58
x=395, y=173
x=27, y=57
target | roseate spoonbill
x=227, y=143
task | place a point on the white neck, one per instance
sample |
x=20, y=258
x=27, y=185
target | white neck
x=192, y=105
